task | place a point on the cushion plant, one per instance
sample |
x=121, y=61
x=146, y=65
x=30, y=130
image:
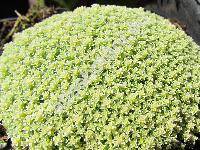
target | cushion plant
x=104, y=77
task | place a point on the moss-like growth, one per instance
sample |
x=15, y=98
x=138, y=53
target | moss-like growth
x=104, y=77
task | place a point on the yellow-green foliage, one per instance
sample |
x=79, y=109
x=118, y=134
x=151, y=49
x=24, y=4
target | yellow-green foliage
x=104, y=77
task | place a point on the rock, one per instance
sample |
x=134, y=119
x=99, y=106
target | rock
x=185, y=11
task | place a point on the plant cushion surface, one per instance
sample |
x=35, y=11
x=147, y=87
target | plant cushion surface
x=104, y=77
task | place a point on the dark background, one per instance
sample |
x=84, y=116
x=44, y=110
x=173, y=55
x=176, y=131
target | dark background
x=7, y=7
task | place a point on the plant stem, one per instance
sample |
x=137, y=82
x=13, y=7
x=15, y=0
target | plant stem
x=40, y=3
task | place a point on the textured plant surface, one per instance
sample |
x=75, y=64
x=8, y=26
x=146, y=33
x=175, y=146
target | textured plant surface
x=104, y=77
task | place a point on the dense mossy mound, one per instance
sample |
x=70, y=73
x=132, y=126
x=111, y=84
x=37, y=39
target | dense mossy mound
x=104, y=77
